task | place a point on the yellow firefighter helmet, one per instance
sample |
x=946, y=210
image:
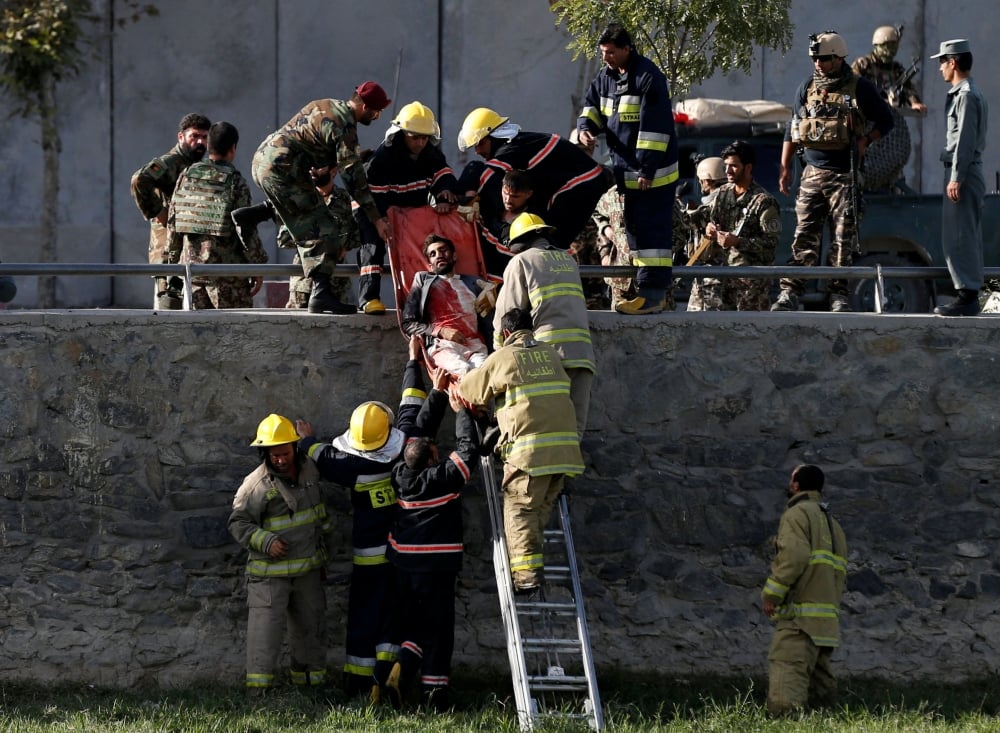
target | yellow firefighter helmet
x=418, y=119
x=525, y=223
x=479, y=123
x=370, y=426
x=275, y=430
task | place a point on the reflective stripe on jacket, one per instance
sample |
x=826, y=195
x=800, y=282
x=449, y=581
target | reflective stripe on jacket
x=546, y=280
x=266, y=507
x=809, y=570
x=633, y=111
x=536, y=416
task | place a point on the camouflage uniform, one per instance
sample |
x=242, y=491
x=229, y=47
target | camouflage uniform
x=706, y=292
x=755, y=218
x=348, y=238
x=610, y=212
x=201, y=231
x=324, y=132
x=584, y=250
x=886, y=157
x=152, y=187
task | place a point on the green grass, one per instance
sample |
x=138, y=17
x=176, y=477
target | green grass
x=631, y=704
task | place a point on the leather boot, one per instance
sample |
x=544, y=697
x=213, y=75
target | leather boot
x=322, y=300
x=965, y=304
x=251, y=216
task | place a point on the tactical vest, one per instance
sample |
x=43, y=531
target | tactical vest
x=829, y=118
x=203, y=202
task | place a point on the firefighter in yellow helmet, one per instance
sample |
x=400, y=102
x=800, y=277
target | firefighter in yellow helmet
x=545, y=281
x=566, y=181
x=362, y=458
x=408, y=170
x=280, y=518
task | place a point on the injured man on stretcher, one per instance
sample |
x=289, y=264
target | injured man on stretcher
x=449, y=310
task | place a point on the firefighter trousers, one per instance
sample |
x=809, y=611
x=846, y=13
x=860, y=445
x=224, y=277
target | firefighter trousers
x=369, y=626
x=425, y=619
x=298, y=605
x=800, y=675
x=527, y=505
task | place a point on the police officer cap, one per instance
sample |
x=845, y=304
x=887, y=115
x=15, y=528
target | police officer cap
x=953, y=48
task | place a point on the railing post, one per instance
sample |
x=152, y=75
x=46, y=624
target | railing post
x=187, y=286
x=879, y=289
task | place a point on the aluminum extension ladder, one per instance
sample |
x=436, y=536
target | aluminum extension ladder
x=548, y=644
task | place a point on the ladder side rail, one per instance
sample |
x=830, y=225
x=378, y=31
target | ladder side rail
x=505, y=591
x=581, y=614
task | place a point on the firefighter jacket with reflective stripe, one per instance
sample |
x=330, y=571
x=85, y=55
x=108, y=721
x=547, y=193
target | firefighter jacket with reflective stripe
x=536, y=416
x=558, y=169
x=398, y=179
x=634, y=113
x=427, y=535
x=809, y=570
x=373, y=499
x=546, y=280
x=268, y=507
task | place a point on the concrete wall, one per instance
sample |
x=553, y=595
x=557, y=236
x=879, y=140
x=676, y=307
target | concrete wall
x=123, y=436
x=257, y=66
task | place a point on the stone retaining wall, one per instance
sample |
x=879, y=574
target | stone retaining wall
x=123, y=436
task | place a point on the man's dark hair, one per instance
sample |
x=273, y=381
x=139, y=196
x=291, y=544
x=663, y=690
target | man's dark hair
x=198, y=122
x=962, y=60
x=516, y=319
x=809, y=477
x=616, y=34
x=742, y=150
x=517, y=181
x=432, y=238
x=417, y=453
x=222, y=136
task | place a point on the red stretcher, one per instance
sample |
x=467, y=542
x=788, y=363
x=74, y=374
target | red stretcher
x=410, y=227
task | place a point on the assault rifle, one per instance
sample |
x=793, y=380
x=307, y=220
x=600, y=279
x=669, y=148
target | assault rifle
x=855, y=208
x=895, y=94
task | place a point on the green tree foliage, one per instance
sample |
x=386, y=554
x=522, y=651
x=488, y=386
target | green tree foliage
x=690, y=40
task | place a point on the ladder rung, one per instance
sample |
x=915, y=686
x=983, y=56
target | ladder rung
x=558, y=569
x=546, y=606
x=562, y=646
x=556, y=533
x=542, y=682
x=566, y=716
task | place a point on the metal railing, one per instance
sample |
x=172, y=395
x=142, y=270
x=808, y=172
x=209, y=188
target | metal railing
x=876, y=273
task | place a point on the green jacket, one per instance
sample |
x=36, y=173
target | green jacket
x=809, y=570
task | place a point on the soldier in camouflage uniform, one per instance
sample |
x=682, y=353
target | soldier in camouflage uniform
x=612, y=244
x=200, y=230
x=152, y=187
x=338, y=201
x=885, y=160
x=324, y=131
x=831, y=110
x=706, y=292
x=745, y=221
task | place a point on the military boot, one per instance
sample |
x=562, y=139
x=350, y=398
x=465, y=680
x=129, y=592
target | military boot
x=965, y=304
x=251, y=216
x=322, y=299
